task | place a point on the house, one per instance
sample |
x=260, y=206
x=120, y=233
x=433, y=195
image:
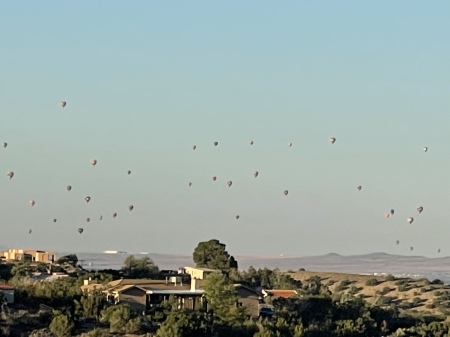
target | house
x=8, y=292
x=270, y=294
x=143, y=294
x=30, y=255
x=199, y=273
x=249, y=298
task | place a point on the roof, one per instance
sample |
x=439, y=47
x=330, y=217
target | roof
x=177, y=292
x=4, y=286
x=204, y=269
x=243, y=286
x=124, y=288
x=279, y=292
x=146, y=284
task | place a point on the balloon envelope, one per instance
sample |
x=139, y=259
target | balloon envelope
x=255, y=173
x=410, y=220
x=420, y=209
x=114, y=215
x=130, y=207
x=194, y=147
x=286, y=192
x=94, y=162
x=229, y=183
x=62, y=103
x=237, y=217
x=216, y=143
x=332, y=140
x=68, y=188
x=87, y=199
x=31, y=202
x=387, y=215
x=80, y=230
x=359, y=188
x=214, y=178
x=5, y=145
x=10, y=175
x=425, y=149
x=392, y=212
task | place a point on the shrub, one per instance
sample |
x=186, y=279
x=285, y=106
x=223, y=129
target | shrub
x=372, y=282
x=402, y=287
x=61, y=326
x=390, y=277
x=437, y=281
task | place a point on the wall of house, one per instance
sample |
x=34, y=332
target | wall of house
x=135, y=298
x=249, y=300
x=9, y=295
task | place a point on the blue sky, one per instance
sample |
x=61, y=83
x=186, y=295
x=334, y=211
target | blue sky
x=144, y=81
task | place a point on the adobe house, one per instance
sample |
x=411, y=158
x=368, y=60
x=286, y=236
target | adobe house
x=249, y=298
x=143, y=294
x=30, y=255
x=270, y=294
x=8, y=291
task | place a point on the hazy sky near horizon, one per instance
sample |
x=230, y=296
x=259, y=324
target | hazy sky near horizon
x=144, y=81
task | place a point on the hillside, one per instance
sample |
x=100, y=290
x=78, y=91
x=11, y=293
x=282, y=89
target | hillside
x=421, y=295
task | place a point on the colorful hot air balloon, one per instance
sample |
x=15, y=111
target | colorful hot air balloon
x=387, y=215
x=62, y=103
x=229, y=183
x=94, y=162
x=420, y=209
x=87, y=198
x=410, y=220
x=255, y=174
x=68, y=188
x=10, y=174
x=286, y=192
x=80, y=230
x=332, y=140
x=31, y=202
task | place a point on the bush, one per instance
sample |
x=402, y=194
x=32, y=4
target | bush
x=403, y=287
x=372, y=282
x=390, y=277
x=61, y=325
x=437, y=281
x=95, y=333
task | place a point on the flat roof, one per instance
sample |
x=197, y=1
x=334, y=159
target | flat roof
x=176, y=292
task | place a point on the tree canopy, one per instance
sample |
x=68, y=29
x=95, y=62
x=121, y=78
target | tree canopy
x=212, y=254
x=139, y=268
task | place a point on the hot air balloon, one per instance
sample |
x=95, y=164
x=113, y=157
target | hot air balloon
x=255, y=174
x=129, y=172
x=229, y=183
x=29, y=231
x=54, y=220
x=420, y=209
x=392, y=212
x=190, y=184
x=359, y=188
x=216, y=143
x=290, y=144
x=31, y=202
x=251, y=142
x=62, y=103
x=411, y=249
x=332, y=140
x=87, y=198
x=114, y=215
x=237, y=217
x=68, y=188
x=387, y=215
x=214, y=178
x=101, y=217
x=130, y=207
x=94, y=162
x=439, y=250
x=10, y=174
x=397, y=242
x=286, y=192
x=5, y=145
x=88, y=219
x=410, y=220
x=194, y=147
x=80, y=230
x=425, y=149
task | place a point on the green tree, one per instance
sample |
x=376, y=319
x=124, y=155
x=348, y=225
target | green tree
x=222, y=298
x=212, y=254
x=71, y=259
x=120, y=319
x=61, y=325
x=139, y=268
x=92, y=304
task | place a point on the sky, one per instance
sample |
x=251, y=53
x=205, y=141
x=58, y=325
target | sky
x=144, y=81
